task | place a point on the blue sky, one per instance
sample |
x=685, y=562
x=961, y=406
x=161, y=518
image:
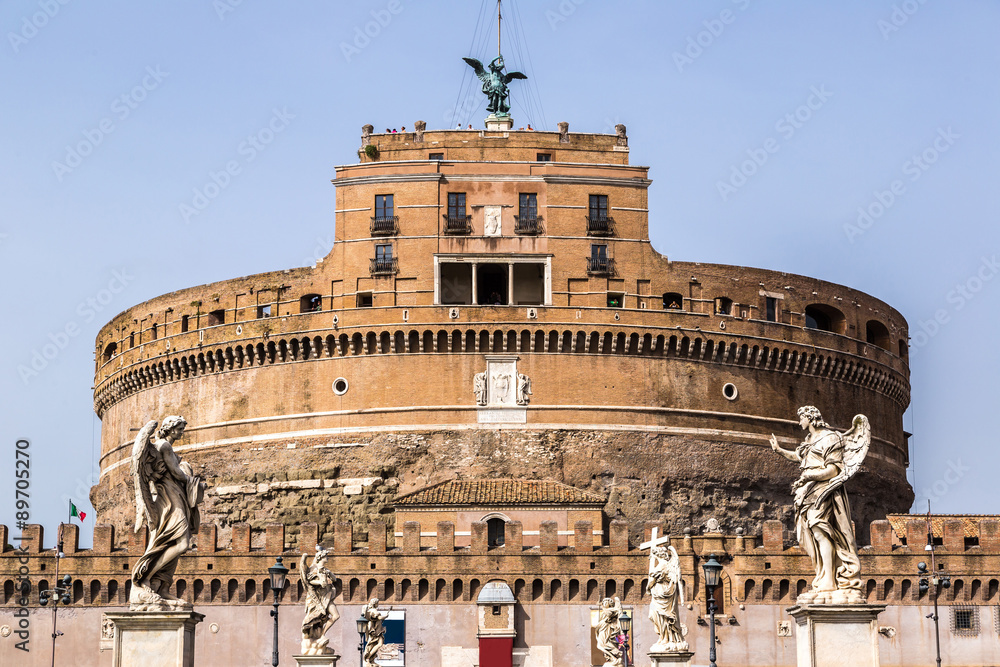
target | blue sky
x=116, y=114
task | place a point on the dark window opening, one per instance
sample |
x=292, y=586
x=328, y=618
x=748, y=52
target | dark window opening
x=491, y=287
x=723, y=305
x=383, y=262
x=527, y=214
x=131, y=340
x=825, y=318
x=615, y=299
x=770, y=309
x=496, y=532
x=436, y=156
x=364, y=299
x=496, y=610
x=109, y=351
x=216, y=317
x=153, y=331
x=264, y=311
x=184, y=323
x=544, y=157
x=673, y=301
x=876, y=333
x=456, y=220
x=599, y=262
x=310, y=303
x=456, y=283
x=598, y=207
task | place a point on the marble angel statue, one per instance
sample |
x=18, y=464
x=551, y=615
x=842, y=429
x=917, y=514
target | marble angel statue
x=823, y=527
x=321, y=613
x=666, y=588
x=374, y=632
x=167, y=494
x=609, y=629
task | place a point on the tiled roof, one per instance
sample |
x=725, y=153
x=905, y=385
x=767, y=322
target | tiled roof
x=499, y=492
x=970, y=522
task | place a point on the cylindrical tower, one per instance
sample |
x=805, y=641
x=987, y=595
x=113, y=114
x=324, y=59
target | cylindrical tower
x=522, y=258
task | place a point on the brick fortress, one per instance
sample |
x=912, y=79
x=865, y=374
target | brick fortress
x=494, y=376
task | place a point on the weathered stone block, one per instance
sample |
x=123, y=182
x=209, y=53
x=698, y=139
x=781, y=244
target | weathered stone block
x=583, y=536
x=376, y=536
x=880, y=533
x=208, y=538
x=480, y=537
x=411, y=537
x=989, y=535
x=619, y=536
x=774, y=536
x=548, y=537
x=445, y=537
x=274, y=538
x=954, y=535
x=241, y=538
x=343, y=537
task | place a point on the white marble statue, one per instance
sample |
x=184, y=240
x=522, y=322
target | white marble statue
x=167, y=494
x=374, y=632
x=822, y=512
x=666, y=588
x=609, y=630
x=479, y=387
x=523, y=389
x=321, y=613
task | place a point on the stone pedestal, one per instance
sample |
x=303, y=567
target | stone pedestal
x=154, y=638
x=836, y=635
x=495, y=123
x=682, y=659
x=316, y=660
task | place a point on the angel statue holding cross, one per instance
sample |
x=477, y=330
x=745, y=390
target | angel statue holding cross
x=666, y=588
x=823, y=525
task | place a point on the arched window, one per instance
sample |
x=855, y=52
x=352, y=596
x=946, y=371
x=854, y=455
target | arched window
x=109, y=351
x=825, y=318
x=673, y=301
x=876, y=333
x=496, y=531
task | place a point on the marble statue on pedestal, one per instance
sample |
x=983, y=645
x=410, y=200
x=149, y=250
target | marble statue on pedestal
x=609, y=630
x=321, y=613
x=823, y=525
x=374, y=632
x=666, y=589
x=167, y=494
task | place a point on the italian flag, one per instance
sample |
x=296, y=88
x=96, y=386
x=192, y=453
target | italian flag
x=73, y=512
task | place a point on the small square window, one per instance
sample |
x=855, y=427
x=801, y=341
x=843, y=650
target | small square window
x=496, y=610
x=615, y=299
x=965, y=621
x=264, y=311
x=544, y=157
x=436, y=156
x=364, y=299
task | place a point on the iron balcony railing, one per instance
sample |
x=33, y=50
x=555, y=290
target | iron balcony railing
x=385, y=225
x=527, y=224
x=601, y=266
x=382, y=266
x=460, y=224
x=602, y=225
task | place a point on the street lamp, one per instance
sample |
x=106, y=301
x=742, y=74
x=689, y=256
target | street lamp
x=713, y=573
x=277, y=572
x=626, y=622
x=362, y=634
x=56, y=594
x=939, y=582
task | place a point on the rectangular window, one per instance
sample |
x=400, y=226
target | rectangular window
x=383, y=206
x=364, y=299
x=496, y=610
x=965, y=621
x=264, y=311
x=544, y=157
x=598, y=207
x=528, y=206
x=456, y=205
x=771, y=309
x=436, y=156
x=184, y=323
x=383, y=252
x=615, y=300
x=599, y=252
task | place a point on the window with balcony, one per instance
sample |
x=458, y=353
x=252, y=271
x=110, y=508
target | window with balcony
x=599, y=223
x=384, y=223
x=527, y=214
x=599, y=262
x=383, y=263
x=456, y=220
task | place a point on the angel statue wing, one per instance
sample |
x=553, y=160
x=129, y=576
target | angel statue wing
x=304, y=572
x=674, y=573
x=478, y=68
x=510, y=76
x=856, y=442
x=142, y=473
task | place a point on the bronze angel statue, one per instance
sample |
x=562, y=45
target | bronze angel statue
x=167, y=494
x=495, y=84
x=823, y=525
x=321, y=613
